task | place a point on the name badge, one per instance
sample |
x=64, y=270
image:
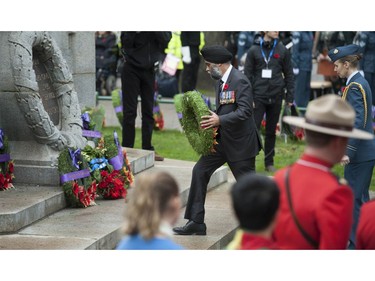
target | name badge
x=266, y=73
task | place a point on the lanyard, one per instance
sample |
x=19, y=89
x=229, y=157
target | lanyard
x=267, y=60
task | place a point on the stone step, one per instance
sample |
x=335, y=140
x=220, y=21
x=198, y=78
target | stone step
x=26, y=204
x=219, y=218
x=97, y=227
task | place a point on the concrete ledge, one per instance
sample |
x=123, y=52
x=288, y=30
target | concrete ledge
x=97, y=227
x=139, y=159
x=26, y=204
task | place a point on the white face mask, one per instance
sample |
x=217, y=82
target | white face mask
x=215, y=72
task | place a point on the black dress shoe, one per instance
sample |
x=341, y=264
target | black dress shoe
x=191, y=228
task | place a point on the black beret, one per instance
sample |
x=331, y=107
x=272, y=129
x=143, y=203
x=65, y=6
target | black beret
x=343, y=51
x=216, y=54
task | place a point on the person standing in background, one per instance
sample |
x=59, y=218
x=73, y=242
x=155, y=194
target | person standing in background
x=245, y=41
x=230, y=43
x=174, y=48
x=192, y=42
x=141, y=52
x=269, y=69
x=367, y=44
x=359, y=160
x=324, y=41
x=302, y=65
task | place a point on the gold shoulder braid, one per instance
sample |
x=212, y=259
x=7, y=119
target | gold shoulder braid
x=344, y=94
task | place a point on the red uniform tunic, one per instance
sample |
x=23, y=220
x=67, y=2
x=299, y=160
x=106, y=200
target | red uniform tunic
x=323, y=206
x=366, y=227
x=254, y=242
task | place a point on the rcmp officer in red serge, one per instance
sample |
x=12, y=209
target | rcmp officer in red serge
x=360, y=154
x=315, y=207
x=238, y=139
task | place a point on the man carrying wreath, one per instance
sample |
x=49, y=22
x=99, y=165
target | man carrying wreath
x=238, y=141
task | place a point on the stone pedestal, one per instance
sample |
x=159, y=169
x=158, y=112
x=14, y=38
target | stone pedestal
x=45, y=79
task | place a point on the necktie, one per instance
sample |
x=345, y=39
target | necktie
x=221, y=82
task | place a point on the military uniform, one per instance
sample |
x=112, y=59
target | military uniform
x=302, y=60
x=322, y=205
x=361, y=152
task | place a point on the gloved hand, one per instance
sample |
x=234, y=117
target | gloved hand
x=295, y=71
x=186, y=58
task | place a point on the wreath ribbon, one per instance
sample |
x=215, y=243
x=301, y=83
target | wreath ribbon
x=118, y=161
x=86, y=120
x=4, y=157
x=75, y=175
x=98, y=163
x=75, y=155
x=1, y=139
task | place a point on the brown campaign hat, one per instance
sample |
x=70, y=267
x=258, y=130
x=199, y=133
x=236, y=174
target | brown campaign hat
x=330, y=115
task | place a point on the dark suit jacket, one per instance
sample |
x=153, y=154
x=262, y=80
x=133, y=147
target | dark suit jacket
x=238, y=133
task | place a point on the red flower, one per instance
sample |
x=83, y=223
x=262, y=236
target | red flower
x=10, y=167
x=225, y=87
x=276, y=56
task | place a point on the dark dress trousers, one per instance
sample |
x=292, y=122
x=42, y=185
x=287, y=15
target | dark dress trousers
x=238, y=141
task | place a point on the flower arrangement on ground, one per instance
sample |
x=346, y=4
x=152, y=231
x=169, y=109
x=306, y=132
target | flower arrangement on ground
x=110, y=167
x=6, y=164
x=78, y=185
x=158, y=115
x=193, y=108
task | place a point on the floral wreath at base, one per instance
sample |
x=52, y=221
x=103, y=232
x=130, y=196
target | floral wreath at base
x=110, y=167
x=6, y=164
x=78, y=185
x=193, y=108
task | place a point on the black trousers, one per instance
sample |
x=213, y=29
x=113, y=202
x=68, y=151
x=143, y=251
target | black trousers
x=190, y=71
x=135, y=82
x=202, y=173
x=272, y=110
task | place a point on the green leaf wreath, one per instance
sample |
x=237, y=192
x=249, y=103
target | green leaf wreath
x=110, y=167
x=193, y=108
x=80, y=192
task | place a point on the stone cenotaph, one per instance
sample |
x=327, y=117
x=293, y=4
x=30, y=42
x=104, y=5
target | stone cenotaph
x=46, y=78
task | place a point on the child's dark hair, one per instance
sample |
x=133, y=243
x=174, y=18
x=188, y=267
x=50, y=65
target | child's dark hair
x=255, y=200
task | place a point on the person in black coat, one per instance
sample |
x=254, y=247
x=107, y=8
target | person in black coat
x=269, y=69
x=141, y=51
x=238, y=139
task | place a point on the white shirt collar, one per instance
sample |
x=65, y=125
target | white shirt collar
x=226, y=74
x=350, y=77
